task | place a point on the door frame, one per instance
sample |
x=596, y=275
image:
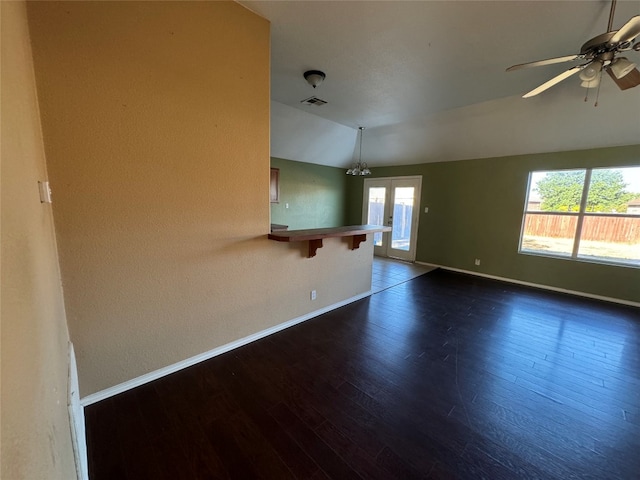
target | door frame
x=385, y=251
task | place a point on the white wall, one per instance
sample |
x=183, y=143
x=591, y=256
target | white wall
x=513, y=126
x=36, y=439
x=551, y=122
x=304, y=137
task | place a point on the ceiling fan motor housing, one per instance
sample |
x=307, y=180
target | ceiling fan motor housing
x=597, y=44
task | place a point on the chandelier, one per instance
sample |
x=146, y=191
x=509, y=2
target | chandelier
x=359, y=168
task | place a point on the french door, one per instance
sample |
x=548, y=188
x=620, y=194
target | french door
x=393, y=202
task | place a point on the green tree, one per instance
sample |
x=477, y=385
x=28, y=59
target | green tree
x=562, y=191
x=607, y=192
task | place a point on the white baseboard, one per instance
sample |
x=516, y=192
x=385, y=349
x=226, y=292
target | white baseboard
x=156, y=374
x=76, y=419
x=537, y=285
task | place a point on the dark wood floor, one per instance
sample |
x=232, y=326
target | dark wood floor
x=445, y=376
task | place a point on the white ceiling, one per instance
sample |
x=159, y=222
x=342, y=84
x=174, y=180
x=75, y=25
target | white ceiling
x=427, y=79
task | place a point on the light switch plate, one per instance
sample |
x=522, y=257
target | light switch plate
x=45, y=192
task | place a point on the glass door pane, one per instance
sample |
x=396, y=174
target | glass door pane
x=403, y=198
x=377, y=196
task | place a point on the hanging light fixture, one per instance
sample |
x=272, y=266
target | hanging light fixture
x=314, y=77
x=359, y=168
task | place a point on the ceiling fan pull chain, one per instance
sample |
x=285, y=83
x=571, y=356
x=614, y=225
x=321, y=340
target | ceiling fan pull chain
x=586, y=93
x=598, y=92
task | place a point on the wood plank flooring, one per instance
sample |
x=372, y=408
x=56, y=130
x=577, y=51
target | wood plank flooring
x=445, y=376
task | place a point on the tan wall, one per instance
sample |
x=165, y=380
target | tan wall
x=156, y=126
x=36, y=439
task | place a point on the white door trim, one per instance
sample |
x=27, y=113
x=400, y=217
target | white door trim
x=415, y=220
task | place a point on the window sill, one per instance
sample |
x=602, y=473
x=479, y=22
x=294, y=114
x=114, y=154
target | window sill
x=596, y=261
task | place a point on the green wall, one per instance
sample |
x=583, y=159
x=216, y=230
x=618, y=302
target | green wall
x=315, y=194
x=475, y=211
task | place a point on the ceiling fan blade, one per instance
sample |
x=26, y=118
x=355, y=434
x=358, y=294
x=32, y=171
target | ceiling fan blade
x=630, y=80
x=555, y=80
x=548, y=61
x=627, y=32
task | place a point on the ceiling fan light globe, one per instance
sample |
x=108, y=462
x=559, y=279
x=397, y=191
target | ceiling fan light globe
x=593, y=83
x=591, y=71
x=585, y=77
x=622, y=67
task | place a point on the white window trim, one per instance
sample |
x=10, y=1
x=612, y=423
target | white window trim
x=581, y=214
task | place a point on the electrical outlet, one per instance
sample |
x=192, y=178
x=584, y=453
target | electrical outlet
x=313, y=295
x=477, y=261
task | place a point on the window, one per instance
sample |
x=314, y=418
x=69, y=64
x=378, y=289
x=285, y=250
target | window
x=589, y=214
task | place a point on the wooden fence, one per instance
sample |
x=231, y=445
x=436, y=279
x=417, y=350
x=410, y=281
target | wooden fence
x=601, y=229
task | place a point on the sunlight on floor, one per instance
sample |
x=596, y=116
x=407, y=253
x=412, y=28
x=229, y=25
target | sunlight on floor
x=388, y=272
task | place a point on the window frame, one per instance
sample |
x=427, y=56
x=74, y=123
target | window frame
x=581, y=214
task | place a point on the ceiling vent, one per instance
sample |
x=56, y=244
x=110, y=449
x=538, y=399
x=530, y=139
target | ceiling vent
x=313, y=101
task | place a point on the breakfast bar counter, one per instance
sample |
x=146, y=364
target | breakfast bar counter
x=314, y=236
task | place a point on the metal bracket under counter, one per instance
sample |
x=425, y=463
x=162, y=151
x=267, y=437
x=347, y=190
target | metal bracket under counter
x=358, y=234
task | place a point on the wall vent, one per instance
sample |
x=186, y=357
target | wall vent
x=313, y=101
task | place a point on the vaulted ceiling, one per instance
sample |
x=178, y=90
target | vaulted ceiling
x=427, y=79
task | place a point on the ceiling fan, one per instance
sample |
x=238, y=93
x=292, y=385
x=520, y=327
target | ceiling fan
x=601, y=55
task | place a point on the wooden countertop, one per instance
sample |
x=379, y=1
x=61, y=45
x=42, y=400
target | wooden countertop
x=315, y=235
